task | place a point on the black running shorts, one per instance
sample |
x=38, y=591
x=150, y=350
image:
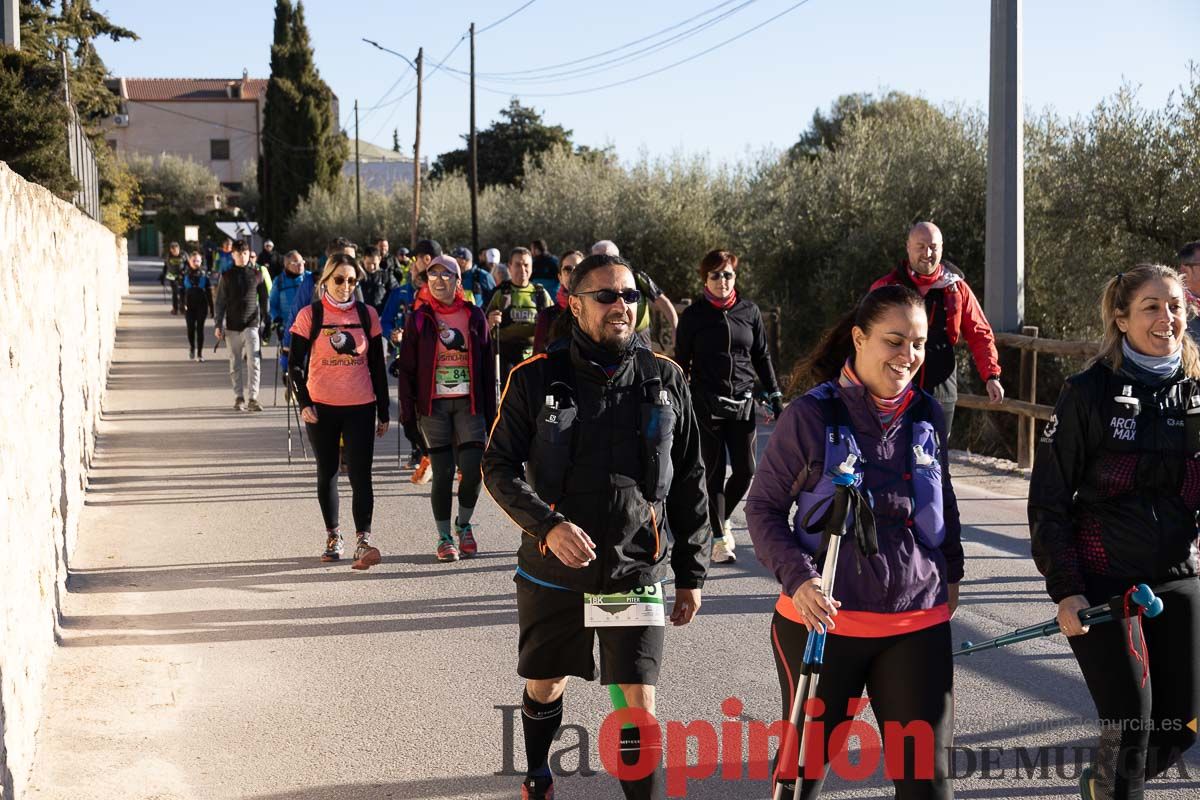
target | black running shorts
x=554, y=643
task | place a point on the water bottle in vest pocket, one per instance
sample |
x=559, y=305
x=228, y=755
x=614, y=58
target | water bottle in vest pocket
x=928, y=520
x=550, y=455
x=658, y=433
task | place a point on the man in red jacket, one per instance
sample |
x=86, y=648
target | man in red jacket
x=954, y=314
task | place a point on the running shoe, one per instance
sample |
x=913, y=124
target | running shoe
x=466, y=540
x=254, y=405
x=333, y=548
x=722, y=553
x=191, y=355
x=537, y=789
x=446, y=551
x=239, y=404
x=728, y=529
x=421, y=474
x=200, y=356
x=365, y=555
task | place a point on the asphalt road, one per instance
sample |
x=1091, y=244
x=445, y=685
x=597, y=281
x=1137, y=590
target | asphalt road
x=208, y=653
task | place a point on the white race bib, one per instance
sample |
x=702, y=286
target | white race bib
x=643, y=606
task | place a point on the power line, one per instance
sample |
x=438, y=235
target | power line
x=651, y=73
x=629, y=58
x=435, y=70
x=505, y=18
x=626, y=46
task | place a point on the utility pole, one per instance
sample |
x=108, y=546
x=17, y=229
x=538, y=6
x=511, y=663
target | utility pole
x=1004, y=271
x=474, y=168
x=357, y=181
x=417, y=152
x=10, y=23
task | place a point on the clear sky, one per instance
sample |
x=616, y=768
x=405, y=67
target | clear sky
x=756, y=92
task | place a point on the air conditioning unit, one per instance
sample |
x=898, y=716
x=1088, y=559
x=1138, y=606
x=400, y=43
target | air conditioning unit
x=121, y=120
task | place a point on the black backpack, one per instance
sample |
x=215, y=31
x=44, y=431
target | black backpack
x=318, y=323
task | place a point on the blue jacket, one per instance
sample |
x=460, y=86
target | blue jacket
x=909, y=572
x=480, y=283
x=399, y=302
x=285, y=294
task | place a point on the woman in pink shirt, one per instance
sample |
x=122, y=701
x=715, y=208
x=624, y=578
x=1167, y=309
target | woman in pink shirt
x=337, y=371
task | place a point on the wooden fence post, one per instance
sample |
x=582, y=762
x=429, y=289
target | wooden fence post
x=1027, y=426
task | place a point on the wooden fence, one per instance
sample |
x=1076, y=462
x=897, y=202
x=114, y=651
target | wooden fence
x=1025, y=404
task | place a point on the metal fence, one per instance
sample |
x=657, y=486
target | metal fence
x=79, y=150
x=83, y=168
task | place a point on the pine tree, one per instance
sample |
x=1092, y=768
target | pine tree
x=302, y=145
x=395, y=140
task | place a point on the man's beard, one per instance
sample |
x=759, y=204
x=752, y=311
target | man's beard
x=611, y=340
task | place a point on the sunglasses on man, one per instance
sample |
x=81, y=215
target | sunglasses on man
x=606, y=297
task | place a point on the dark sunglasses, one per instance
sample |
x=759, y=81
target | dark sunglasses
x=340, y=279
x=727, y=275
x=607, y=297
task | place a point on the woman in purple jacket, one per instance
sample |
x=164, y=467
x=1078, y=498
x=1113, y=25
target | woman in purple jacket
x=889, y=625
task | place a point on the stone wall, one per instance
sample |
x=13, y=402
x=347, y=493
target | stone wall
x=62, y=277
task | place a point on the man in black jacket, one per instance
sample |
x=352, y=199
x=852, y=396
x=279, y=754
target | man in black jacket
x=241, y=306
x=272, y=259
x=612, y=501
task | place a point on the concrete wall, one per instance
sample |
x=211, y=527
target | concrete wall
x=62, y=277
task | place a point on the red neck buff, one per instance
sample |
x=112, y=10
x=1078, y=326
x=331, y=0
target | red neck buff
x=561, y=297
x=722, y=303
x=925, y=282
x=441, y=308
x=889, y=409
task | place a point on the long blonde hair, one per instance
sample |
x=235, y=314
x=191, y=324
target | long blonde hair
x=1119, y=292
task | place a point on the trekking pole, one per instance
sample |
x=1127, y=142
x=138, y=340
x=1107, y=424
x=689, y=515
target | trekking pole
x=287, y=398
x=814, y=649
x=278, y=355
x=496, y=361
x=1143, y=601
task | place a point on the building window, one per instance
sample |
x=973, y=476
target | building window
x=219, y=149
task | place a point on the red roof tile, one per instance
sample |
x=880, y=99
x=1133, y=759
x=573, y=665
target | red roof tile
x=152, y=89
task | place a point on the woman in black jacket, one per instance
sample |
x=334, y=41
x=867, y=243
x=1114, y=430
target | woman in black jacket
x=721, y=343
x=1112, y=503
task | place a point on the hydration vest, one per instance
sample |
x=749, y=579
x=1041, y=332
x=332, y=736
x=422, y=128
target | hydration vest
x=551, y=454
x=541, y=299
x=189, y=284
x=924, y=473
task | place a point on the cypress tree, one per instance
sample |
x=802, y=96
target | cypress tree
x=302, y=144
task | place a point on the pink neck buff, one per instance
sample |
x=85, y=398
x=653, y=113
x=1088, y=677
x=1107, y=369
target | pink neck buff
x=722, y=303
x=889, y=409
x=329, y=302
x=561, y=297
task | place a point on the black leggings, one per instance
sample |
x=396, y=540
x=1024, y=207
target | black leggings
x=908, y=677
x=716, y=437
x=441, y=462
x=195, y=328
x=356, y=425
x=1143, y=729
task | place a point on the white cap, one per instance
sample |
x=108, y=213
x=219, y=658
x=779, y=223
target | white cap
x=491, y=256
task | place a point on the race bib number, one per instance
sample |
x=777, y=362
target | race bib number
x=451, y=380
x=643, y=606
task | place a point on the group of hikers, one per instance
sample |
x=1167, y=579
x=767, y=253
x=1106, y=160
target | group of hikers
x=622, y=468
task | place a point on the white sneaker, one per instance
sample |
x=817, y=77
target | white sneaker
x=722, y=553
x=729, y=541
